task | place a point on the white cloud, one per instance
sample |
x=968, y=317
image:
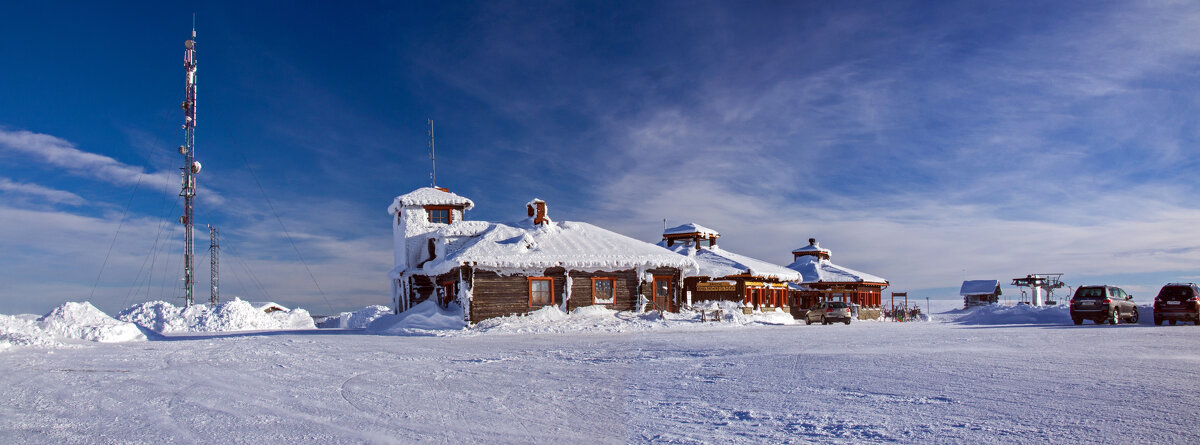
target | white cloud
x=45, y=193
x=996, y=192
x=63, y=154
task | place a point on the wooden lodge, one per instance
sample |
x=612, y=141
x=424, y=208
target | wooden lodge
x=491, y=269
x=724, y=275
x=822, y=280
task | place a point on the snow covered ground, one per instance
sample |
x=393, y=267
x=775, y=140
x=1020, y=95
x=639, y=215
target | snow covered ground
x=939, y=381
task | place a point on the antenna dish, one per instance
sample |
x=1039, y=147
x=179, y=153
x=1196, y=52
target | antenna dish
x=190, y=44
x=195, y=167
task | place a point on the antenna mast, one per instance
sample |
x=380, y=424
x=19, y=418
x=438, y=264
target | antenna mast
x=190, y=166
x=432, y=157
x=214, y=264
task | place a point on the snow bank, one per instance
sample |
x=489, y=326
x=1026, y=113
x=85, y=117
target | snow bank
x=1018, y=314
x=355, y=320
x=22, y=331
x=83, y=321
x=733, y=313
x=595, y=318
x=423, y=319
x=236, y=315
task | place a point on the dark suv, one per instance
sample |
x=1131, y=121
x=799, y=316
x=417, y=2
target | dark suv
x=1103, y=304
x=1177, y=302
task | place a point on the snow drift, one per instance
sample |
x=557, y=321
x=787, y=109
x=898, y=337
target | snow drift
x=82, y=321
x=359, y=319
x=69, y=322
x=425, y=318
x=1019, y=314
x=236, y=315
x=1026, y=314
x=22, y=331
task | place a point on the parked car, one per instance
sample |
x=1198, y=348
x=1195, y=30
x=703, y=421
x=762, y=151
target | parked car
x=1103, y=304
x=1177, y=302
x=829, y=312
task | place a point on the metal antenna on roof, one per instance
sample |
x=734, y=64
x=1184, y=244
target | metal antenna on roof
x=432, y=157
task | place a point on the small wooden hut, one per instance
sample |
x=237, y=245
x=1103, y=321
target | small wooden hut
x=980, y=292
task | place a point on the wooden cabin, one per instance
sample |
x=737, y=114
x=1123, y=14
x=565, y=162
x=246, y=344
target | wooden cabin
x=980, y=292
x=724, y=275
x=822, y=280
x=492, y=269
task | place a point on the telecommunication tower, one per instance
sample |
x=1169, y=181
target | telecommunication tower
x=214, y=264
x=190, y=166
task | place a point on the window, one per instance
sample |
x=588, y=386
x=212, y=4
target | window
x=541, y=291
x=439, y=216
x=604, y=290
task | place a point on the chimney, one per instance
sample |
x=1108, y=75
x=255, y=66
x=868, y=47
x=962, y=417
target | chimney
x=812, y=241
x=536, y=210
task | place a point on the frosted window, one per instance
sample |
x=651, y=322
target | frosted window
x=602, y=291
x=540, y=292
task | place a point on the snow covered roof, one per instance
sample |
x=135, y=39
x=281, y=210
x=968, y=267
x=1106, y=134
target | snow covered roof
x=427, y=196
x=979, y=287
x=816, y=270
x=524, y=247
x=691, y=228
x=716, y=262
x=268, y=306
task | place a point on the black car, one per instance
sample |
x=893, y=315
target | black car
x=1103, y=304
x=1177, y=302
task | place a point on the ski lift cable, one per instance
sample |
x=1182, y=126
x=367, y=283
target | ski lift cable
x=121, y=224
x=285, y=231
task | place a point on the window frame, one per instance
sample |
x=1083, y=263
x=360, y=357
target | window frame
x=449, y=214
x=529, y=285
x=612, y=287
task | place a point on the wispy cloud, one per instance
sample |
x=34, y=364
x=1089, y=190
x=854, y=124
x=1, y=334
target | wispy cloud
x=63, y=154
x=47, y=194
x=925, y=176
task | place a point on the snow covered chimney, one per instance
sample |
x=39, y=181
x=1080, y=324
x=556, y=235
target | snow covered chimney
x=537, y=211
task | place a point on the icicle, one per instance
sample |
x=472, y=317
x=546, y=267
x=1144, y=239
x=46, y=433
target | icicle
x=566, y=292
x=464, y=296
x=396, y=296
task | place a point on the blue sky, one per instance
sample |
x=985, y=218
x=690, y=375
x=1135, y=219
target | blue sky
x=925, y=142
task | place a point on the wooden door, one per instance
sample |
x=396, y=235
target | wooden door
x=664, y=292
